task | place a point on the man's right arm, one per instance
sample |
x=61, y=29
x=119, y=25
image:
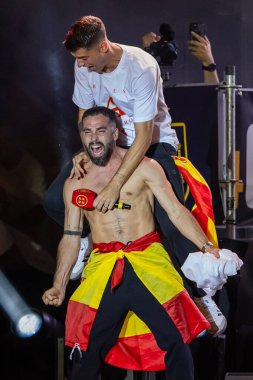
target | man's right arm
x=179, y=215
x=67, y=250
x=200, y=48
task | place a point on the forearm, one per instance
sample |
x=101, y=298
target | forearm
x=134, y=155
x=210, y=77
x=66, y=257
x=188, y=226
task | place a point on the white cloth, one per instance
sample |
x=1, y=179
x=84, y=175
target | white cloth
x=133, y=89
x=211, y=273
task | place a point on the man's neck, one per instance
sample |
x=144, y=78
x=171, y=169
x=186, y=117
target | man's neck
x=114, y=56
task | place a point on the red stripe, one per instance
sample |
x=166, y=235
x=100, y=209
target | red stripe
x=79, y=321
x=117, y=273
x=137, y=245
x=186, y=316
x=139, y=352
x=142, y=352
x=200, y=192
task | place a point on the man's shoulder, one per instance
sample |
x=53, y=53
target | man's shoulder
x=138, y=56
x=149, y=164
x=72, y=184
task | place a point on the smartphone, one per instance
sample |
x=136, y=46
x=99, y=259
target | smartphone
x=198, y=28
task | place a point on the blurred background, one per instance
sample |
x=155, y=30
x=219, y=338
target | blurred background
x=38, y=134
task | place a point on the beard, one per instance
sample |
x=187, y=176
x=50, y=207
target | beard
x=105, y=157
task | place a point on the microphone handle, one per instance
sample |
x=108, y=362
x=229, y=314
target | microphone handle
x=122, y=205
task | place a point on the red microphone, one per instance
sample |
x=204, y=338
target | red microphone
x=84, y=198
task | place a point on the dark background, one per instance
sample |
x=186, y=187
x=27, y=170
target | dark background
x=37, y=72
x=38, y=131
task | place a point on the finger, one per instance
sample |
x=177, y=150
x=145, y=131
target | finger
x=111, y=204
x=194, y=44
x=104, y=209
x=47, y=296
x=78, y=171
x=56, y=302
x=217, y=255
x=98, y=204
x=197, y=36
x=82, y=169
x=72, y=173
x=45, y=300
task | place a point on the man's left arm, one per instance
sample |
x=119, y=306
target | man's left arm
x=178, y=214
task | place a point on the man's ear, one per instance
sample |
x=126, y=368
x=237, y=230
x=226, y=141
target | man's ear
x=103, y=46
x=115, y=134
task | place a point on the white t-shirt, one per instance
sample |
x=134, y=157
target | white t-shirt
x=133, y=89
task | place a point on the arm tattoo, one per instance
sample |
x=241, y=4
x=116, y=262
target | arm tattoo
x=76, y=233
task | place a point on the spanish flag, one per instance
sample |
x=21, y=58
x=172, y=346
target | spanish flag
x=136, y=347
x=203, y=209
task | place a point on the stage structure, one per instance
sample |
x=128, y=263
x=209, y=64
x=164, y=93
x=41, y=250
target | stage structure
x=214, y=124
x=227, y=151
x=229, y=156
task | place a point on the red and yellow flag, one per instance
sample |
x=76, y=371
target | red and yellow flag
x=136, y=347
x=203, y=209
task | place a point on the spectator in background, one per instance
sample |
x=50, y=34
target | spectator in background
x=199, y=47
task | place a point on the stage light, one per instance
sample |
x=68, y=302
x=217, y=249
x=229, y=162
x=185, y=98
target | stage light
x=26, y=322
x=12, y=303
x=31, y=326
x=28, y=325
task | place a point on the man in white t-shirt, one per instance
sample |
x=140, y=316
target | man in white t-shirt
x=127, y=80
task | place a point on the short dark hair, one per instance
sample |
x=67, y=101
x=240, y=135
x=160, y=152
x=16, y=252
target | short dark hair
x=84, y=33
x=107, y=112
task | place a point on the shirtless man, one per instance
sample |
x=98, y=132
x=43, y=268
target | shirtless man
x=128, y=269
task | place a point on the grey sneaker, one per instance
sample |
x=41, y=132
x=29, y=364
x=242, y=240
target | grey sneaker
x=212, y=313
x=83, y=257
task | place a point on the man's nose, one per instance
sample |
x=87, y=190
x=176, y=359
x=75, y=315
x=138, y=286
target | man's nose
x=80, y=63
x=94, y=137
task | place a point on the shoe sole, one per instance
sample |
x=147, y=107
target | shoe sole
x=221, y=329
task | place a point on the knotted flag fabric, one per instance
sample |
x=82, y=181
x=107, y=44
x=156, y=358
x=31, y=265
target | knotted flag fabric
x=136, y=347
x=203, y=209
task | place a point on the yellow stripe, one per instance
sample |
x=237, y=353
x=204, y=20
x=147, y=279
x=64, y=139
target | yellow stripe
x=191, y=169
x=133, y=326
x=120, y=204
x=153, y=267
x=211, y=232
x=96, y=273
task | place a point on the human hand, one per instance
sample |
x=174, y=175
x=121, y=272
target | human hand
x=200, y=48
x=53, y=296
x=149, y=38
x=107, y=198
x=214, y=251
x=78, y=171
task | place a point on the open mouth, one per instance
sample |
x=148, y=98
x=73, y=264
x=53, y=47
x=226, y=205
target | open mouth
x=96, y=149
